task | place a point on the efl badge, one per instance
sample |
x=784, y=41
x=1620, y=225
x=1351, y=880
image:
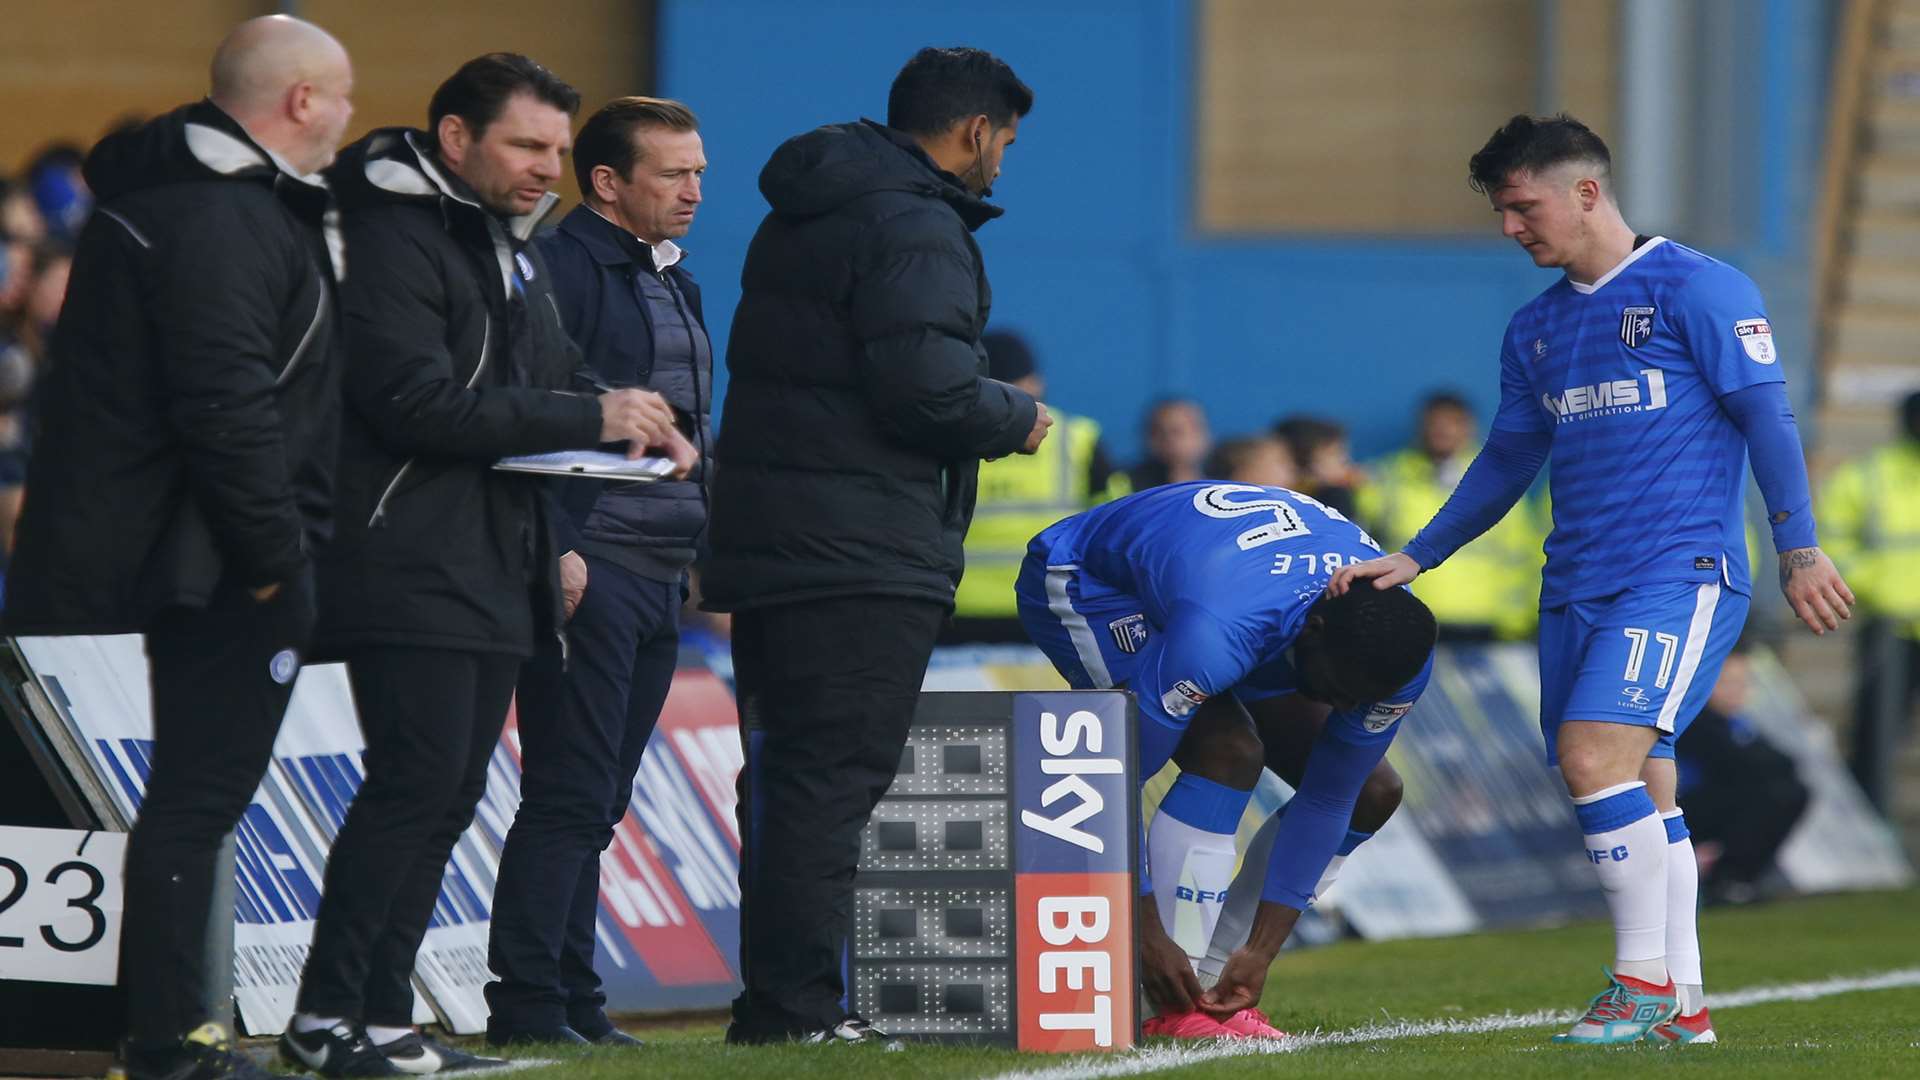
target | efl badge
x=1129, y=633
x=1185, y=697
x=1382, y=716
x=1757, y=338
x=1636, y=326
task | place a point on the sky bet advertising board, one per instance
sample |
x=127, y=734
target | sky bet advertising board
x=995, y=897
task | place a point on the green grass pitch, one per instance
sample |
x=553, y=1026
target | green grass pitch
x=1865, y=1033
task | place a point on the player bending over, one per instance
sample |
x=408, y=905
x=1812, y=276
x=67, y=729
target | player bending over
x=1647, y=375
x=1203, y=598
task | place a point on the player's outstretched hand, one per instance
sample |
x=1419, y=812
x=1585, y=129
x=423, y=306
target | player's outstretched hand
x=1165, y=972
x=1385, y=572
x=1814, y=589
x=1242, y=981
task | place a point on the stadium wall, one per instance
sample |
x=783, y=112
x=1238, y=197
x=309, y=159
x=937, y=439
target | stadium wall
x=1098, y=257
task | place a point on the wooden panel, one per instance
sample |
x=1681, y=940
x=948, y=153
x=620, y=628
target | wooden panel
x=1586, y=63
x=403, y=50
x=1355, y=117
x=68, y=70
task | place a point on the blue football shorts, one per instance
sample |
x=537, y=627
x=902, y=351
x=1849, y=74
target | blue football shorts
x=1091, y=631
x=1648, y=656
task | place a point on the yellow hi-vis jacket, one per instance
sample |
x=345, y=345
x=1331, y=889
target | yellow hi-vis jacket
x=1021, y=494
x=1494, y=581
x=1869, y=515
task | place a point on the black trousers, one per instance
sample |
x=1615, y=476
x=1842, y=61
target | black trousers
x=431, y=718
x=1750, y=820
x=582, y=733
x=1890, y=668
x=221, y=677
x=827, y=690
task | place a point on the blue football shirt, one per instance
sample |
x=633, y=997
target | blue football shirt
x=1225, y=573
x=1647, y=471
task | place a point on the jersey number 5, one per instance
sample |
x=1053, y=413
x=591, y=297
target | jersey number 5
x=1214, y=501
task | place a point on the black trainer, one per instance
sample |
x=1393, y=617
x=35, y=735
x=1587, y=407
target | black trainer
x=853, y=1030
x=341, y=1050
x=416, y=1053
x=557, y=1036
x=598, y=1029
x=205, y=1054
x=613, y=1036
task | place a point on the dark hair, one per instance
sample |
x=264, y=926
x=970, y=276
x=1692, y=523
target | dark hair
x=1172, y=401
x=1230, y=454
x=1009, y=357
x=481, y=88
x=49, y=251
x=1378, y=639
x=1910, y=415
x=939, y=87
x=1305, y=434
x=608, y=136
x=1445, y=399
x=1533, y=144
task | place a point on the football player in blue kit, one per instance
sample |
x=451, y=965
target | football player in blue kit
x=1207, y=600
x=1646, y=376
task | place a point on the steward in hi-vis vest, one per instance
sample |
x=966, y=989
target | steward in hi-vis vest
x=1870, y=517
x=1020, y=495
x=1489, y=589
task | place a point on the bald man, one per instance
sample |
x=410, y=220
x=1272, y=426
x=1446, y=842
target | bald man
x=181, y=474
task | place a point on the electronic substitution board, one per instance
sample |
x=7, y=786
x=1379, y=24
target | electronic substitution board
x=995, y=895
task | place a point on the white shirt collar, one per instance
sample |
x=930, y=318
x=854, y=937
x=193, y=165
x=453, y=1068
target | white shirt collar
x=1632, y=256
x=665, y=253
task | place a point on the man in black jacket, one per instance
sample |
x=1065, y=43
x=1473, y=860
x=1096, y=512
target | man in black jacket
x=442, y=575
x=180, y=482
x=626, y=298
x=855, y=422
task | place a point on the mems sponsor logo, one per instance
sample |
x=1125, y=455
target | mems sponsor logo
x=1612, y=398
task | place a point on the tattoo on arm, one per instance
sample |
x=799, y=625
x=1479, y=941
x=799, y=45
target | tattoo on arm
x=1797, y=559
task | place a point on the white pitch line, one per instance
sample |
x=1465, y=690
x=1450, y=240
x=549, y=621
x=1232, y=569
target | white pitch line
x=1159, y=1058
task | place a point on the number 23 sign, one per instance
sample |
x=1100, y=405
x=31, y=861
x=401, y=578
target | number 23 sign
x=60, y=904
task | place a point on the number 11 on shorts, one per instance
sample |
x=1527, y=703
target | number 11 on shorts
x=1637, y=654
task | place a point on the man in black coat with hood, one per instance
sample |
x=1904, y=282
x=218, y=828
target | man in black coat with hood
x=442, y=574
x=856, y=417
x=180, y=481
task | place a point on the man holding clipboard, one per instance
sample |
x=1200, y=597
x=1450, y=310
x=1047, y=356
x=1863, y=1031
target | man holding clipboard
x=624, y=294
x=443, y=575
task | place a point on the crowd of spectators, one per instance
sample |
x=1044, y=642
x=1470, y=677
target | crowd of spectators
x=1485, y=597
x=41, y=210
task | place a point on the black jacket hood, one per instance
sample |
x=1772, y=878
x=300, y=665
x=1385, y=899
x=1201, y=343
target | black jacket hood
x=828, y=167
x=194, y=142
x=398, y=165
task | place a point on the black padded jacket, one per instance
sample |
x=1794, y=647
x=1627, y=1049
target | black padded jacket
x=857, y=409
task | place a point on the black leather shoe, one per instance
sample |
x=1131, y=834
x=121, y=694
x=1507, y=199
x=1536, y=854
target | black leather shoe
x=616, y=1037
x=554, y=1036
